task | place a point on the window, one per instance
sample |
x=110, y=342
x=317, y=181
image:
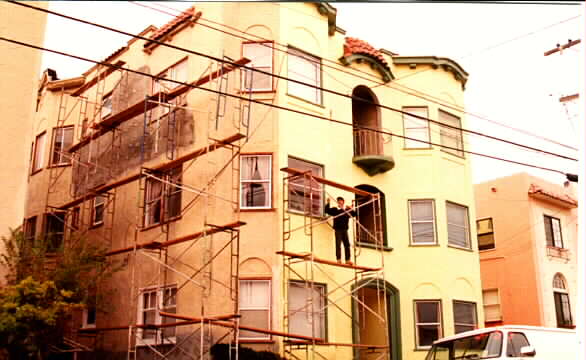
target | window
x=30, y=230
x=458, y=232
x=38, y=152
x=163, y=197
x=485, y=233
x=449, y=136
x=428, y=318
x=62, y=140
x=422, y=222
x=515, y=341
x=563, y=310
x=255, y=307
x=54, y=230
x=465, y=317
x=151, y=302
x=480, y=346
x=106, y=106
x=75, y=218
x=371, y=219
x=492, y=305
x=261, y=58
x=255, y=181
x=305, y=194
x=553, y=231
x=307, y=69
x=177, y=72
x=416, y=128
x=98, y=212
x=307, y=307
x=89, y=317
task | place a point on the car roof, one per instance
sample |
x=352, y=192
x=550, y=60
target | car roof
x=502, y=328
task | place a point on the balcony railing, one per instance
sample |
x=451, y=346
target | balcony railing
x=369, y=152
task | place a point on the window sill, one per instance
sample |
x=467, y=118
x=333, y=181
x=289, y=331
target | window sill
x=59, y=165
x=421, y=148
x=424, y=245
x=373, y=247
x=301, y=213
x=460, y=248
x=258, y=209
x=36, y=171
x=456, y=155
x=97, y=225
x=254, y=92
x=422, y=348
x=487, y=250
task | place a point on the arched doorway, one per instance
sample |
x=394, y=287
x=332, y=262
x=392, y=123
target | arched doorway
x=371, y=220
x=365, y=114
x=376, y=297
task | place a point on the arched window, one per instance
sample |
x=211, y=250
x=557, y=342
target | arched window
x=365, y=114
x=561, y=297
x=371, y=218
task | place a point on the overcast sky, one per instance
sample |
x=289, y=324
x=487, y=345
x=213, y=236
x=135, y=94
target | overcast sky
x=501, y=46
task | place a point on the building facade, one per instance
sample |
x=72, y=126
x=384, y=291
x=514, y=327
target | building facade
x=527, y=234
x=212, y=193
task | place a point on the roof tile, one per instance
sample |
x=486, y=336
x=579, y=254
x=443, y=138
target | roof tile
x=536, y=189
x=357, y=46
x=168, y=27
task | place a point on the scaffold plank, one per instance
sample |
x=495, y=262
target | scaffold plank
x=307, y=256
x=364, y=346
x=296, y=172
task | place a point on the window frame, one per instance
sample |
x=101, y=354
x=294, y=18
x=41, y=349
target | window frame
x=95, y=206
x=38, y=156
x=445, y=130
x=511, y=355
x=106, y=105
x=417, y=324
x=244, y=73
x=424, y=145
x=463, y=302
x=174, y=176
x=159, y=306
x=67, y=161
x=321, y=213
x=319, y=78
x=468, y=236
x=85, y=315
x=269, y=181
x=553, y=244
x=562, y=293
x=29, y=224
x=495, y=305
x=46, y=234
x=323, y=314
x=164, y=74
x=478, y=234
x=259, y=337
x=434, y=223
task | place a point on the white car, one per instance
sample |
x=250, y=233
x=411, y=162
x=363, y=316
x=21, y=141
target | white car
x=507, y=342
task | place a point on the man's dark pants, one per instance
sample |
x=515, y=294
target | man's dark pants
x=342, y=238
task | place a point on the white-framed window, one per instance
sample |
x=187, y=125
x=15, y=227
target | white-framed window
x=162, y=196
x=428, y=322
x=307, y=312
x=62, y=140
x=485, y=231
x=177, y=72
x=458, y=228
x=38, y=152
x=261, y=58
x=492, y=305
x=306, y=194
x=451, y=136
x=422, y=222
x=465, y=317
x=563, y=310
x=415, y=128
x=151, y=302
x=255, y=181
x=255, y=308
x=553, y=231
x=106, y=106
x=307, y=69
x=98, y=210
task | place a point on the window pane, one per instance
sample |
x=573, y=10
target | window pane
x=416, y=128
x=39, y=151
x=302, y=190
x=422, y=233
x=261, y=56
x=427, y=334
x=421, y=210
x=255, y=186
x=457, y=225
x=256, y=319
x=305, y=304
x=558, y=282
x=515, y=342
x=427, y=312
x=305, y=68
x=464, y=316
x=449, y=136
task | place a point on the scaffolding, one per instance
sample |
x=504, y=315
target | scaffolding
x=92, y=177
x=303, y=268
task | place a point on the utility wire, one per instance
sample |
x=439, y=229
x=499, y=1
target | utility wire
x=279, y=107
x=293, y=80
x=413, y=92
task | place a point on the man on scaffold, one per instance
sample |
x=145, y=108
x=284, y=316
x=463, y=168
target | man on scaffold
x=341, y=216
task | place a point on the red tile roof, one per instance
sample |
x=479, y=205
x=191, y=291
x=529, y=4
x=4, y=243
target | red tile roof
x=537, y=190
x=173, y=24
x=357, y=46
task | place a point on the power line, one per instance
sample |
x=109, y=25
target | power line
x=424, y=96
x=296, y=81
x=279, y=107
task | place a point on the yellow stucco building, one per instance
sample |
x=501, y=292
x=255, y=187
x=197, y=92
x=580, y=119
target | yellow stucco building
x=17, y=100
x=212, y=194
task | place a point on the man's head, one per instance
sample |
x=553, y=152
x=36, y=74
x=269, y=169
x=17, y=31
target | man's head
x=340, y=201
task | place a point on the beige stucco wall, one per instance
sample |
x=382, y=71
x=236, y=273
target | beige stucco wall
x=20, y=68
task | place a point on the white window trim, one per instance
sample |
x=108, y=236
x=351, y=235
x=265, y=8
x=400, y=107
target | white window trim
x=63, y=158
x=561, y=239
x=320, y=313
x=245, y=73
x=426, y=144
x=158, y=318
x=94, y=207
x=40, y=150
x=260, y=337
x=417, y=323
x=411, y=221
x=322, y=191
x=497, y=304
x=466, y=228
x=269, y=181
x=445, y=131
x=311, y=58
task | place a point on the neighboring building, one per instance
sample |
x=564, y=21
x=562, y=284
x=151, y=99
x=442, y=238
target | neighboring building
x=168, y=188
x=527, y=235
x=20, y=72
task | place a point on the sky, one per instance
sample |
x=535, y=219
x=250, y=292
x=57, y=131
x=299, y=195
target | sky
x=501, y=46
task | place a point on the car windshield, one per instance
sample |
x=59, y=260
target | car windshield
x=481, y=346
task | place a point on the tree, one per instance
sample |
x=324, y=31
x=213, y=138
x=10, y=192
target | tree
x=45, y=286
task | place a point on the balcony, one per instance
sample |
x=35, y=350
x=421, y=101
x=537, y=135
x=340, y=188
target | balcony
x=369, y=153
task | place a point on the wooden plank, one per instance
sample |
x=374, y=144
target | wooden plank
x=111, y=328
x=158, y=245
x=569, y=97
x=563, y=47
x=324, y=261
x=364, y=346
x=324, y=181
x=102, y=75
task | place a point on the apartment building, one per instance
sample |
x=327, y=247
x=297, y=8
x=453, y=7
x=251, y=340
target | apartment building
x=527, y=236
x=208, y=181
